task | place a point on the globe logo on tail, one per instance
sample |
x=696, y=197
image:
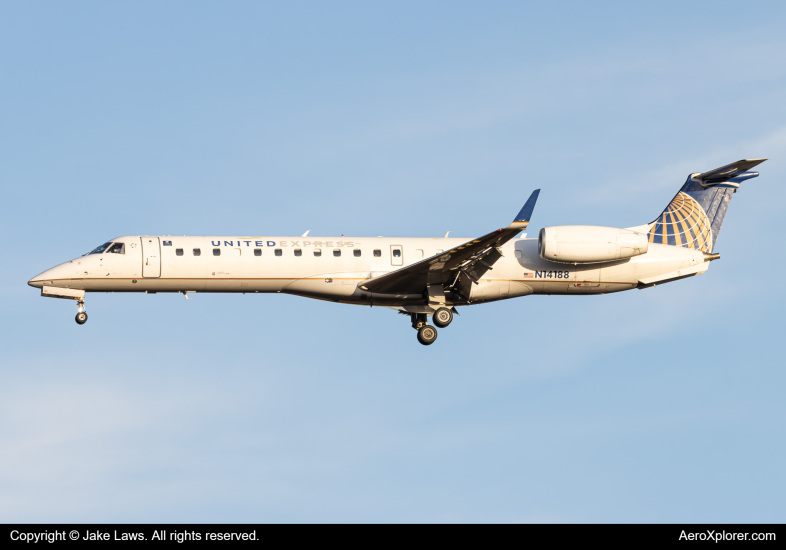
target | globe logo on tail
x=683, y=223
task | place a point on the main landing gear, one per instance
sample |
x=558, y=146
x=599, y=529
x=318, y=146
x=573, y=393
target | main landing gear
x=443, y=317
x=81, y=316
x=427, y=334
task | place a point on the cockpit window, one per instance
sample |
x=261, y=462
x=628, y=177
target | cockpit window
x=100, y=249
x=117, y=248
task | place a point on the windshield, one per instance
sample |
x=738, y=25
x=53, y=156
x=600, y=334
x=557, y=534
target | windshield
x=100, y=249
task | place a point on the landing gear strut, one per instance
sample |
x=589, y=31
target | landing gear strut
x=426, y=333
x=81, y=316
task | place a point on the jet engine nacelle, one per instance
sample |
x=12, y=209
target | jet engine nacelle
x=581, y=244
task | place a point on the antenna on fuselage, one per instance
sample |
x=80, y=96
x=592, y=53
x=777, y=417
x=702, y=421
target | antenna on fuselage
x=305, y=234
x=446, y=235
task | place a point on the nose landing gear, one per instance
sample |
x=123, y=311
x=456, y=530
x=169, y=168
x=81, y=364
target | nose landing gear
x=81, y=316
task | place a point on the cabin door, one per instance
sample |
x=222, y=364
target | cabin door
x=396, y=255
x=151, y=257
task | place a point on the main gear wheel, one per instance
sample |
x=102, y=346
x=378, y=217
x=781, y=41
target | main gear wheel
x=427, y=335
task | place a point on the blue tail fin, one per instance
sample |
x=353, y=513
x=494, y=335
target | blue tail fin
x=694, y=217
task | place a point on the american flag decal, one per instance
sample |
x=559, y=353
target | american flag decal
x=529, y=275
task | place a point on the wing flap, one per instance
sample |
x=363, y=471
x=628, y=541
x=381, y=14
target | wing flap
x=456, y=268
x=414, y=278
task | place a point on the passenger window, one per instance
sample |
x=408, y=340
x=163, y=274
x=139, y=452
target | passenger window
x=377, y=253
x=278, y=252
x=356, y=253
x=178, y=252
x=317, y=252
x=197, y=252
x=336, y=252
x=396, y=253
x=257, y=252
x=117, y=248
x=298, y=252
x=216, y=252
x=236, y=252
x=518, y=253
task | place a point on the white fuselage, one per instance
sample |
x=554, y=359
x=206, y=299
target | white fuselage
x=331, y=268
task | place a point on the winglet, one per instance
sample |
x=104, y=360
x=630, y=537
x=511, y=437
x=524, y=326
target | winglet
x=521, y=221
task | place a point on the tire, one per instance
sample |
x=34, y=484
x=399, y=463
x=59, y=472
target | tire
x=81, y=318
x=443, y=317
x=427, y=335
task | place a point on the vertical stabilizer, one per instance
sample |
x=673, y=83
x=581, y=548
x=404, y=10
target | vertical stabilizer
x=694, y=217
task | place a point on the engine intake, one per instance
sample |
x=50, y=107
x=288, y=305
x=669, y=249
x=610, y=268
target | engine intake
x=581, y=244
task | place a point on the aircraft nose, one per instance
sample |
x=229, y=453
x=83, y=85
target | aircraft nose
x=36, y=282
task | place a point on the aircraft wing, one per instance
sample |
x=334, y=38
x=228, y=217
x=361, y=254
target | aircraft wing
x=456, y=268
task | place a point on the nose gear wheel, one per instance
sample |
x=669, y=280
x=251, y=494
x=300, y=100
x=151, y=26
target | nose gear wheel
x=81, y=316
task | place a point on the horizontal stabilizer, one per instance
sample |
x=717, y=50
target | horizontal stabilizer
x=728, y=172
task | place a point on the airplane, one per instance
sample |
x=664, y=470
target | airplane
x=420, y=277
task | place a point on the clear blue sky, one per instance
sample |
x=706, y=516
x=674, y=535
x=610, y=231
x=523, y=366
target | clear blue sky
x=398, y=118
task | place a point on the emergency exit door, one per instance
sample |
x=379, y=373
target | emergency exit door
x=151, y=257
